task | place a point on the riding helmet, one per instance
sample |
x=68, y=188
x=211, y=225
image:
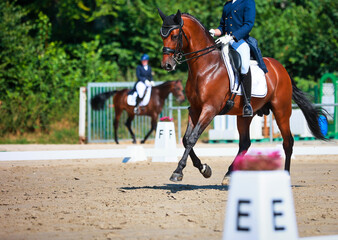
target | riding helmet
x=144, y=57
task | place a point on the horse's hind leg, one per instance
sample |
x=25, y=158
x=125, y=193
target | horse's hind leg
x=243, y=127
x=283, y=122
x=118, y=112
x=128, y=125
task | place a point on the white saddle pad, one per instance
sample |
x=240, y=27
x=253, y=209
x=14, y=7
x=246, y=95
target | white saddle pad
x=258, y=86
x=131, y=99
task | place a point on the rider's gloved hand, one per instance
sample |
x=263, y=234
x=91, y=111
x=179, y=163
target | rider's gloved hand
x=147, y=82
x=212, y=32
x=152, y=83
x=224, y=40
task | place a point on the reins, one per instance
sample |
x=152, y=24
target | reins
x=180, y=55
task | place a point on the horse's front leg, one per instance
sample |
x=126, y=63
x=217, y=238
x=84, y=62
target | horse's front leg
x=204, y=169
x=205, y=118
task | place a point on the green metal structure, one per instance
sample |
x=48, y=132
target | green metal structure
x=328, y=86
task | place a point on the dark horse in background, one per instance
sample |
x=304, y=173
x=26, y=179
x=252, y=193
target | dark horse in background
x=208, y=90
x=158, y=95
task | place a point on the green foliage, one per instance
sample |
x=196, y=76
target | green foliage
x=48, y=49
x=300, y=34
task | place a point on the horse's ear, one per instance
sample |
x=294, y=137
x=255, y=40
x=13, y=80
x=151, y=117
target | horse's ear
x=162, y=15
x=177, y=17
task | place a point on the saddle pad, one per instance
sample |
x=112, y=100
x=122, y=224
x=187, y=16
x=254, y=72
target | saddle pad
x=131, y=99
x=259, y=87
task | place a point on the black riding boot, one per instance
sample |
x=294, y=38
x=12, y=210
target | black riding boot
x=246, y=81
x=136, y=108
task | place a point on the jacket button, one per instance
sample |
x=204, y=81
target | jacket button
x=227, y=18
x=230, y=32
x=230, y=25
x=235, y=11
x=230, y=17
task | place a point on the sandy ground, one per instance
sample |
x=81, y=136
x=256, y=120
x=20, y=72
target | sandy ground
x=107, y=199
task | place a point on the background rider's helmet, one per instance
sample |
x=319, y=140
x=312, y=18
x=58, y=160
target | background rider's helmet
x=144, y=57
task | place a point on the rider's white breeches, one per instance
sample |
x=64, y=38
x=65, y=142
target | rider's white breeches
x=140, y=89
x=244, y=50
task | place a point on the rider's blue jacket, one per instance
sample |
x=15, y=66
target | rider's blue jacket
x=238, y=19
x=143, y=74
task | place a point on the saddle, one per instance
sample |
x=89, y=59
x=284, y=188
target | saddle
x=235, y=61
x=132, y=96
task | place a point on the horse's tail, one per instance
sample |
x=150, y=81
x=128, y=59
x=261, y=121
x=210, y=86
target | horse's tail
x=98, y=101
x=310, y=111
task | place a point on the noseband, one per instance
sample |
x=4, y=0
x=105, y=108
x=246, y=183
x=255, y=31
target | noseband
x=178, y=52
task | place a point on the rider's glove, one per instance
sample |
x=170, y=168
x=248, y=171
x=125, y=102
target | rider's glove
x=212, y=32
x=224, y=40
x=149, y=83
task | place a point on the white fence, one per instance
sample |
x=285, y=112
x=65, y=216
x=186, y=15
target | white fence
x=100, y=123
x=227, y=127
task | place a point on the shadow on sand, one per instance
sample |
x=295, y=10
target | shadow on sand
x=173, y=188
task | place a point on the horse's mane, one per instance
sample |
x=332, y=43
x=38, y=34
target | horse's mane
x=197, y=20
x=164, y=85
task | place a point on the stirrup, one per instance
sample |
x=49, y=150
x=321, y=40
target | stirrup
x=247, y=110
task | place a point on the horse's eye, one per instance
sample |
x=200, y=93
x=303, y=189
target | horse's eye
x=174, y=37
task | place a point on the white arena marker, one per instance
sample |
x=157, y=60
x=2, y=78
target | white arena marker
x=135, y=154
x=165, y=142
x=260, y=207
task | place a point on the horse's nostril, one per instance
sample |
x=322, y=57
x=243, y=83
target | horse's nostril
x=168, y=66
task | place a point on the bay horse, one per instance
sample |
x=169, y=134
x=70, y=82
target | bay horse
x=208, y=89
x=158, y=96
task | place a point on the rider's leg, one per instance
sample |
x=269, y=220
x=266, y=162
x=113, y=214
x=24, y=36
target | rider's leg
x=140, y=89
x=244, y=50
x=246, y=81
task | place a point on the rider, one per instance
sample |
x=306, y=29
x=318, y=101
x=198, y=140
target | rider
x=144, y=80
x=236, y=23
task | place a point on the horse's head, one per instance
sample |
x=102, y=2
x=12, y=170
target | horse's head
x=177, y=90
x=173, y=41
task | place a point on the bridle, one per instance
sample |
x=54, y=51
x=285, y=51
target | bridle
x=178, y=52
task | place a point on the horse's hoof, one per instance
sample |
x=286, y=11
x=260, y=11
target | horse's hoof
x=226, y=180
x=134, y=142
x=206, y=171
x=142, y=142
x=176, y=177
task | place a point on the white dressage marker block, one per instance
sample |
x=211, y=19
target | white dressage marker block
x=165, y=141
x=136, y=154
x=260, y=207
